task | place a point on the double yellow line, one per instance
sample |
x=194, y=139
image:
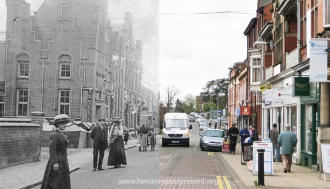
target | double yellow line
x=210, y=153
x=220, y=184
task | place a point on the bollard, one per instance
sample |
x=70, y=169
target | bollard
x=261, y=178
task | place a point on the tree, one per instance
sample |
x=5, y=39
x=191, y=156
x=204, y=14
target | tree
x=170, y=94
x=178, y=106
x=218, y=87
x=206, y=106
x=189, y=103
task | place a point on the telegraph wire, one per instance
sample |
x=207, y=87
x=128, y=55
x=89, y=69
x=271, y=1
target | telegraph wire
x=197, y=13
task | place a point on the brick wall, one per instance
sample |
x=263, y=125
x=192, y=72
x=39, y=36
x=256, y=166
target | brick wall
x=20, y=143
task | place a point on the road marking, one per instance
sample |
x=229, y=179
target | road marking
x=210, y=153
x=196, y=145
x=220, y=184
x=168, y=161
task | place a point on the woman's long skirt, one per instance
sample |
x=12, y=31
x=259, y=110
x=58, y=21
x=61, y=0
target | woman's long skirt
x=117, y=153
x=144, y=140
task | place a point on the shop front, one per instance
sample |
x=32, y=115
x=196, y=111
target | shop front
x=310, y=106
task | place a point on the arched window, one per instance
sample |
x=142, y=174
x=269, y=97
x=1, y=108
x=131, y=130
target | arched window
x=23, y=62
x=65, y=66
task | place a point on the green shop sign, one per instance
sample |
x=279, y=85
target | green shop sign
x=300, y=86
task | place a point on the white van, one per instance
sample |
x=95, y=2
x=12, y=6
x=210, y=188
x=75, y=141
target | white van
x=175, y=129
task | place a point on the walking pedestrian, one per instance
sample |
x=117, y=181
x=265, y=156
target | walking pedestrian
x=233, y=132
x=152, y=135
x=99, y=135
x=144, y=142
x=287, y=140
x=215, y=125
x=117, y=156
x=273, y=135
x=244, y=133
x=251, y=130
x=57, y=174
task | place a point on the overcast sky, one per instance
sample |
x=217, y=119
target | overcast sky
x=196, y=48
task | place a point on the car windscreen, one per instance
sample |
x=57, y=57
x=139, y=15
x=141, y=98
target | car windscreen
x=175, y=123
x=202, y=121
x=212, y=133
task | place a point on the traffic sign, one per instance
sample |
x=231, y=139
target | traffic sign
x=214, y=114
x=220, y=111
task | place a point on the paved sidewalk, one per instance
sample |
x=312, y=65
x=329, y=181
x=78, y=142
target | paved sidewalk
x=300, y=177
x=31, y=174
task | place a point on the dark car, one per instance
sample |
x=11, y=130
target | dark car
x=212, y=139
x=192, y=119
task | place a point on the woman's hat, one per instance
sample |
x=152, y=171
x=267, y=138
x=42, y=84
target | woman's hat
x=116, y=120
x=60, y=118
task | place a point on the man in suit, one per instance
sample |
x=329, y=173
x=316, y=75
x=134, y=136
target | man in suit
x=99, y=136
x=233, y=132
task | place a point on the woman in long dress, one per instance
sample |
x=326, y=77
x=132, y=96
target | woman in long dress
x=117, y=155
x=144, y=142
x=57, y=174
x=152, y=135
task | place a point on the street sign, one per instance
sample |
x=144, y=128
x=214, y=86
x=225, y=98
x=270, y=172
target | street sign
x=214, y=114
x=220, y=111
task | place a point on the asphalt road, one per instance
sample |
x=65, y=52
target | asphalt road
x=202, y=169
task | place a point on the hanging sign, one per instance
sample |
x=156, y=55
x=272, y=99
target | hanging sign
x=300, y=86
x=264, y=87
x=245, y=110
x=318, y=60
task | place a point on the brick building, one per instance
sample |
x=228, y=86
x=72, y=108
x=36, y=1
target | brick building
x=62, y=61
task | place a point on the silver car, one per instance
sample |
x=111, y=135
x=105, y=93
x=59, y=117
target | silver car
x=212, y=139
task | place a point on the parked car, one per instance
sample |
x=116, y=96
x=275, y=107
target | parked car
x=191, y=118
x=203, y=125
x=197, y=115
x=192, y=113
x=212, y=139
x=200, y=118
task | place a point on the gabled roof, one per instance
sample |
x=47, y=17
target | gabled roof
x=250, y=26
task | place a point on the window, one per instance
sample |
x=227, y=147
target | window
x=65, y=70
x=23, y=61
x=256, y=70
x=22, y=102
x=278, y=40
x=2, y=103
x=64, y=102
x=326, y=13
x=65, y=66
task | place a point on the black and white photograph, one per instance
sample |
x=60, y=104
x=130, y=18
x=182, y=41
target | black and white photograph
x=164, y=94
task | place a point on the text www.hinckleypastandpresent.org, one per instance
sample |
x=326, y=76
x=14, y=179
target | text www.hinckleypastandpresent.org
x=168, y=182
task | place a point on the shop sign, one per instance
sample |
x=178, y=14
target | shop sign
x=318, y=60
x=245, y=110
x=300, y=86
x=280, y=94
x=264, y=87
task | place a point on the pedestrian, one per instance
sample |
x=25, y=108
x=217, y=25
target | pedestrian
x=139, y=138
x=273, y=135
x=287, y=140
x=144, y=142
x=99, y=135
x=126, y=135
x=251, y=130
x=233, y=132
x=152, y=135
x=57, y=174
x=244, y=133
x=117, y=156
x=254, y=136
x=215, y=125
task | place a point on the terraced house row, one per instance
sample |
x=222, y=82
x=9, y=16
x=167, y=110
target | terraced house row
x=285, y=77
x=68, y=58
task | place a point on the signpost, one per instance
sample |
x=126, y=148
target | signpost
x=214, y=114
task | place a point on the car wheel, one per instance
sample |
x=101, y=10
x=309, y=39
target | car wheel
x=202, y=149
x=163, y=144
